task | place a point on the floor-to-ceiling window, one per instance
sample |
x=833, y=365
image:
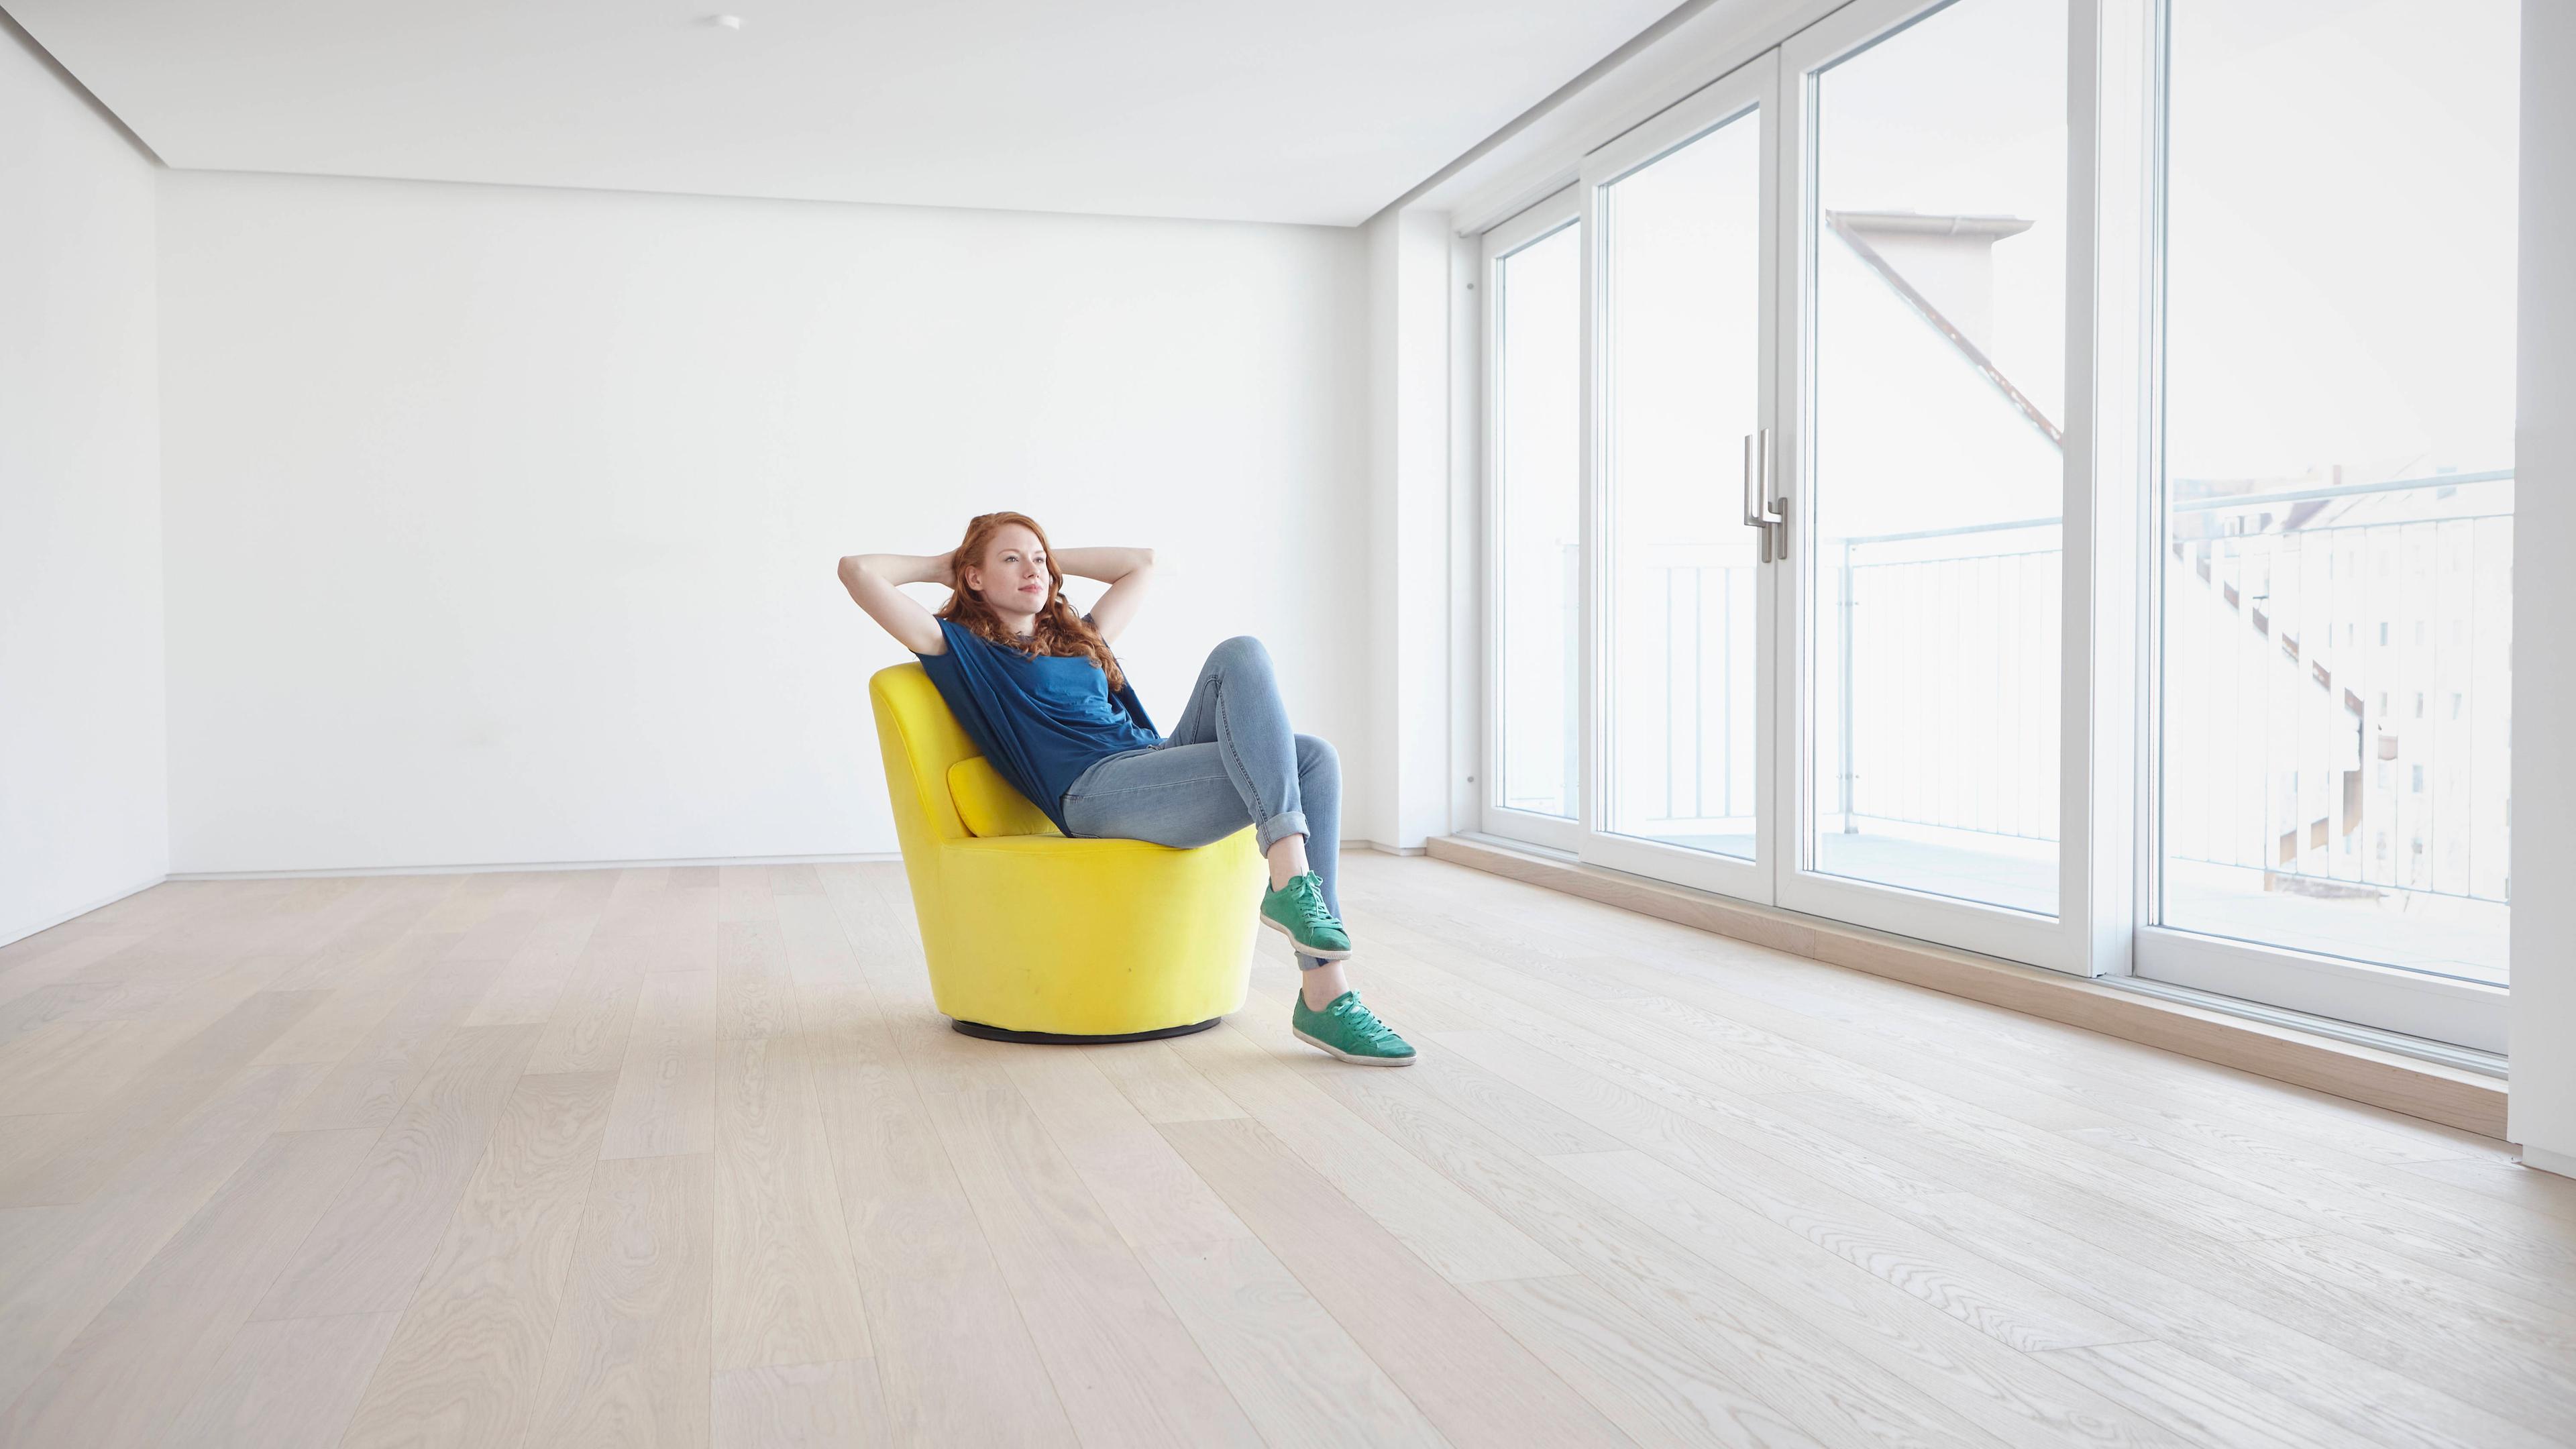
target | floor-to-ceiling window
x=1809, y=410
x=2335, y=536
x=1536, y=442
x=1681, y=363
x=1936, y=454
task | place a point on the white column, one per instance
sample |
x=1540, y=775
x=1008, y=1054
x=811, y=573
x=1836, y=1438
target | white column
x=2543, y=1110
x=1401, y=791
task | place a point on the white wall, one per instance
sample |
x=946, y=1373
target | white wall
x=502, y=522
x=2543, y=1110
x=1405, y=796
x=83, y=761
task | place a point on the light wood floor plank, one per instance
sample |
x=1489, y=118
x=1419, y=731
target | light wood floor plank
x=800, y=1406
x=72, y=1066
x=1452, y=1231
x=61, y=1265
x=462, y=1370
x=1774, y=1199
x=594, y=1012
x=367, y=1252
x=1161, y=1086
x=369, y=1086
x=687, y=1155
x=631, y=1363
x=809, y=933
x=1477, y=1383
x=1124, y=1367
x=288, y=1383
x=2178, y=1391
x=154, y=1345
x=786, y=1287
x=1290, y=1364
x=954, y=1358
x=666, y=1089
x=142, y=1114
x=549, y=959
x=1806, y=1349
x=1139, y=1181
x=755, y=989
x=1658, y=1390
x=2210, y=1319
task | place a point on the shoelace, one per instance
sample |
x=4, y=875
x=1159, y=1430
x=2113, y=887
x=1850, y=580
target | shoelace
x=1310, y=903
x=1365, y=1022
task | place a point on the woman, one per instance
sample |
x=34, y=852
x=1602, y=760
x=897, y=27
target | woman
x=1037, y=689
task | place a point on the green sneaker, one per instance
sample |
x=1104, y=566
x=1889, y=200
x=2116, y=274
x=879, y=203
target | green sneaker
x=1350, y=1031
x=1297, y=911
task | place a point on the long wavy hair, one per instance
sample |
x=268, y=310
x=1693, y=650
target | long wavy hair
x=1058, y=629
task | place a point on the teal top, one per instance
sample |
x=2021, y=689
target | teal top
x=1042, y=720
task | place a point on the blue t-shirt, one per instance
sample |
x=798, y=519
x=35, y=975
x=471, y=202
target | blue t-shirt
x=1041, y=721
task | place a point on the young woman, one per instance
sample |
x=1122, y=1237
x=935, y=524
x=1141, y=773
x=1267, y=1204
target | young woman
x=1036, y=688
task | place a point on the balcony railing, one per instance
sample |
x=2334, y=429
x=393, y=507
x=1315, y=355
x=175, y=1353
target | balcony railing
x=2336, y=684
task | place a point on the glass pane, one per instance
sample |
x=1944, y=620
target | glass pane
x=1936, y=459
x=1682, y=350
x=1538, y=363
x=2338, y=529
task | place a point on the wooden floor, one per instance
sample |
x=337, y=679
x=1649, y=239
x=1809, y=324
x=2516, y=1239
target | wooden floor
x=683, y=1157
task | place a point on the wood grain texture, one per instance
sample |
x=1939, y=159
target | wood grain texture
x=287, y=1383
x=787, y=1289
x=1294, y=1369
x=800, y=1406
x=631, y=1361
x=687, y=1156
x=1125, y=1369
x=1477, y=1383
x=144, y=1113
x=666, y=1088
x=954, y=1357
x=150, y=1350
x=367, y=1252
x=464, y=1365
x=2401, y=1084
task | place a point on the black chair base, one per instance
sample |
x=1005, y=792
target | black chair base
x=1057, y=1038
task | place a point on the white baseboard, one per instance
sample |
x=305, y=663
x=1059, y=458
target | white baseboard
x=16, y=934
x=2561, y=1163
x=873, y=857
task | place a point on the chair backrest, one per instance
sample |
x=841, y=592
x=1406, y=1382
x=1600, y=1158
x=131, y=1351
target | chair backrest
x=920, y=740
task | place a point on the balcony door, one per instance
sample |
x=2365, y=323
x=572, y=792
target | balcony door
x=1927, y=475
x=1679, y=218
x=1778, y=616
x=2036, y=476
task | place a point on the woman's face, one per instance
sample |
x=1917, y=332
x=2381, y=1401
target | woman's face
x=1013, y=575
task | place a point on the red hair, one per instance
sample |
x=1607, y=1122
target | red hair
x=1058, y=630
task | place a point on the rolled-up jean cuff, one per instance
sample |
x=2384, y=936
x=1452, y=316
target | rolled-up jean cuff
x=1278, y=828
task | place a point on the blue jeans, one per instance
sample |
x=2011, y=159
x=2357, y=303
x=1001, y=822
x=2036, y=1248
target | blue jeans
x=1230, y=761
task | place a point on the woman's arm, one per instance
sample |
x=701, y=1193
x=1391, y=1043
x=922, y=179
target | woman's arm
x=1127, y=571
x=875, y=580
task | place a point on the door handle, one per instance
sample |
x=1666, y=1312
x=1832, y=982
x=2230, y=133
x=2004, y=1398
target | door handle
x=1752, y=501
x=1775, y=506
x=1763, y=508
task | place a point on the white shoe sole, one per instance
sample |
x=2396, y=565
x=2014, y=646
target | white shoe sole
x=1346, y=1056
x=1300, y=949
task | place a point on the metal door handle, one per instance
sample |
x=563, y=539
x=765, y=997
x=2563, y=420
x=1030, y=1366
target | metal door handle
x=1775, y=508
x=1754, y=510
x=1763, y=508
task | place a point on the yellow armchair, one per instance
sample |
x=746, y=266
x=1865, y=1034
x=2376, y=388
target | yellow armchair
x=1032, y=936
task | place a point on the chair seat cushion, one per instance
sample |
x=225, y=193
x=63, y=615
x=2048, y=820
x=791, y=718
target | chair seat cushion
x=991, y=805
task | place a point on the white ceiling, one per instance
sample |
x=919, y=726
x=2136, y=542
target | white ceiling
x=1302, y=110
